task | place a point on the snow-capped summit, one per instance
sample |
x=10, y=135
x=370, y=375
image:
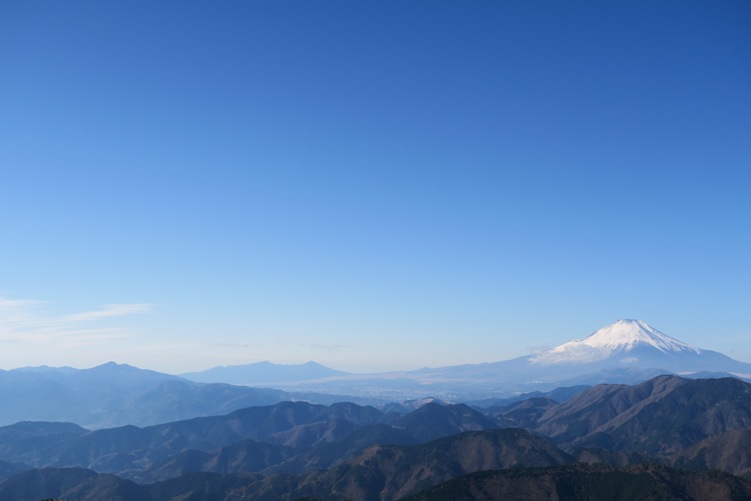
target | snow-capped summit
x=629, y=334
x=617, y=338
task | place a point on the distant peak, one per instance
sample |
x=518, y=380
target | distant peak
x=621, y=336
x=629, y=321
x=113, y=365
x=629, y=333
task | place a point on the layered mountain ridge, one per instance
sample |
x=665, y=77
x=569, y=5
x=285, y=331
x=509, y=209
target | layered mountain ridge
x=627, y=351
x=610, y=438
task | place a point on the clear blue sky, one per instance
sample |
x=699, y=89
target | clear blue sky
x=372, y=185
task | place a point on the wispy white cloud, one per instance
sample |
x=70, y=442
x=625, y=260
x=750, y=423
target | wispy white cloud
x=110, y=310
x=29, y=321
x=10, y=304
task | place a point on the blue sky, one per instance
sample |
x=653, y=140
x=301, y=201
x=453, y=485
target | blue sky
x=371, y=185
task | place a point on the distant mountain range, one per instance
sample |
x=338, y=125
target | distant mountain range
x=263, y=373
x=627, y=351
x=118, y=394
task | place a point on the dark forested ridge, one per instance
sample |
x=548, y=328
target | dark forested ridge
x=666, y=435
x=581, y=482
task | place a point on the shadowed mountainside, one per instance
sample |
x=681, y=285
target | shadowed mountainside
x=378, y=473
x=579, y=482
x=729, y=451
x=660, y=416
x=570, y=482
x=299, y=433
x=391, y=472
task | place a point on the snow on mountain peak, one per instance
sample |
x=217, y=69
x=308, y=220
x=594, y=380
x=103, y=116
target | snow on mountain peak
x=628, y=334
x=618, y=337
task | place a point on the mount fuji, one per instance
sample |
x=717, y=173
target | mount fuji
x=623, y=337
x=634, y=343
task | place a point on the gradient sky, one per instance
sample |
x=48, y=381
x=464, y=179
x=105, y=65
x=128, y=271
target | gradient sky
x=373, y=185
